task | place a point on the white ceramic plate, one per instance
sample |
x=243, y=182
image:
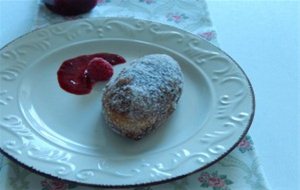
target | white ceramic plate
x=65, y=136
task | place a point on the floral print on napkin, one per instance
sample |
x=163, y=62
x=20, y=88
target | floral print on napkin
x=189, y=15
x=214, y=180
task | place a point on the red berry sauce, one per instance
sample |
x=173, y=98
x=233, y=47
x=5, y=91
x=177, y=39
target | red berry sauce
x=79, y=74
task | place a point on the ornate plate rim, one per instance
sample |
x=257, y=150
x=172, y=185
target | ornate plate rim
x=208, y=164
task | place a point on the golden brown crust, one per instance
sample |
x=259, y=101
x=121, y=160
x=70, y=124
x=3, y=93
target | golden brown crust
x=143, y=96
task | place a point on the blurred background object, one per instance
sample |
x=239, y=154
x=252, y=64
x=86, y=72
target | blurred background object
x=70, y=7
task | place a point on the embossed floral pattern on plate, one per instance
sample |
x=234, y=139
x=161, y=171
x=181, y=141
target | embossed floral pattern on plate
x=214, y=112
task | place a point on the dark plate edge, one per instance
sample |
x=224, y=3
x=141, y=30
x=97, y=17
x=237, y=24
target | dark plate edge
x=33, y=170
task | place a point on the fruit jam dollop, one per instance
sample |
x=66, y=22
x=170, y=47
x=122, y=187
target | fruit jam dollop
x=78, y=75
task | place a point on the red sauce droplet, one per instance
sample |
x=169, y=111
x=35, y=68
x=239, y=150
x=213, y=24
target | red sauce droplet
x=79, y=74
x=113, y=59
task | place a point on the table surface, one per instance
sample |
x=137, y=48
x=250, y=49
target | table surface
x=264, y=38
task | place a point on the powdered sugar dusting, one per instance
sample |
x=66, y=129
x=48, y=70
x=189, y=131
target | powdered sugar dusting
x=148, y=89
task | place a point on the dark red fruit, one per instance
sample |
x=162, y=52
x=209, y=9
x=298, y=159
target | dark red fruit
x=99, y=69
x=79, y=74
x=71, y=76
x=112, y=58
x=70, y=7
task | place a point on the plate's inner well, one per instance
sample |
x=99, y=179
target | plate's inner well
x=75, y=122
